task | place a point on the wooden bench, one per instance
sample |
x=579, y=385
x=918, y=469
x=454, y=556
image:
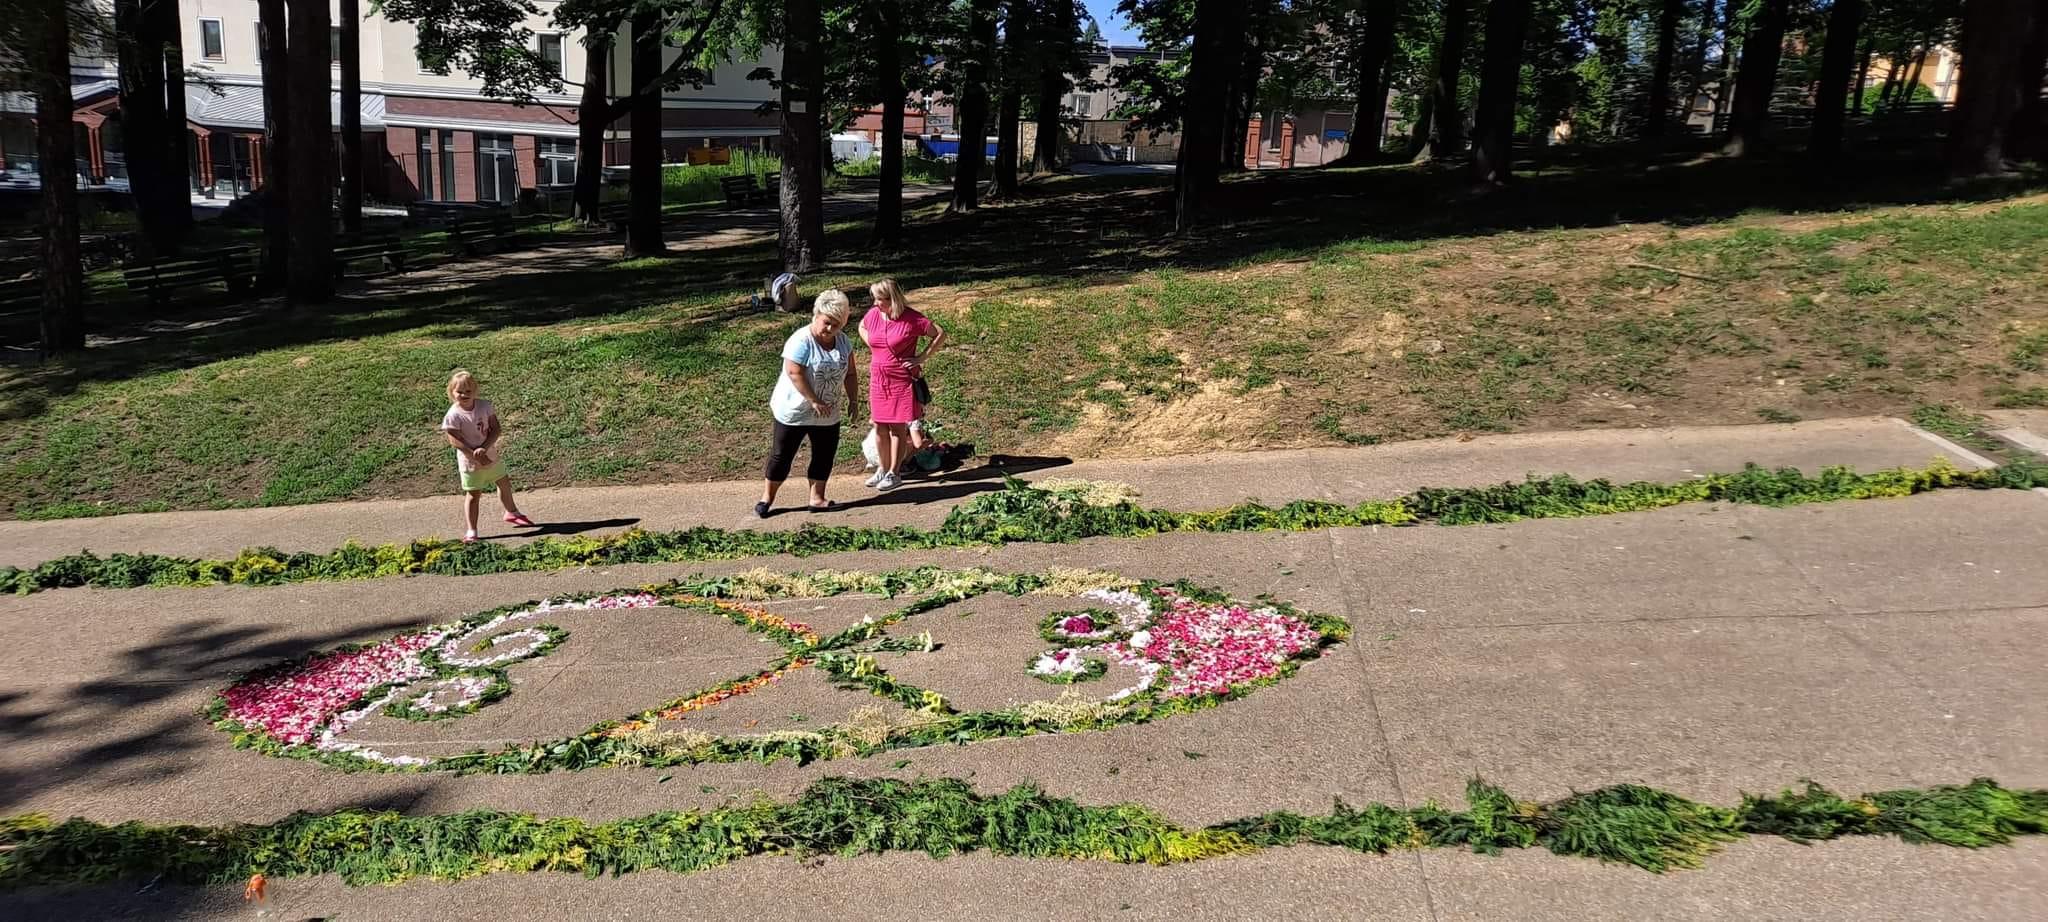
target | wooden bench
x=21, y=295
x=615, y=215
x=232, y=267
x=773, y=194
x=386, y=249
x=740, y=191
x=481, y=234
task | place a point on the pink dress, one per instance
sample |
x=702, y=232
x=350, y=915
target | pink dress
x=892, y=346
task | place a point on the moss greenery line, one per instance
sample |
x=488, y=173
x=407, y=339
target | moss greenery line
x=1016, y=513
x=1626, y=824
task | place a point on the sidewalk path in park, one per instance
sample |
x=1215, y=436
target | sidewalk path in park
x=1706, y=650
x=1186, y=483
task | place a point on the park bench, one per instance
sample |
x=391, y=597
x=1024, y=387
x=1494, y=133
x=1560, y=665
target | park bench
x=614, y=215
x=386, y=249
x=22, y=295
x=739, y=191
x=232, y=267
x=773, y=194
x=481, y=234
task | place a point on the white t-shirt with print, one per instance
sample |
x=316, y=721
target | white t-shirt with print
x=824, y=369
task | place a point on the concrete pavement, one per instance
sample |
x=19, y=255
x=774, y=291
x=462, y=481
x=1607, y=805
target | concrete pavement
x=1707, y=650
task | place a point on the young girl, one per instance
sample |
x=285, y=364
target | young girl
x=892, y=331
x=471, y=425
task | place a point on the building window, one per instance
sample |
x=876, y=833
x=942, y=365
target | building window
x=334, y=45
x=210, y=44
x=447, y=164
x=497, y=174
x=551, y=53
x=557, y=161
x=1082, y=105
x=425, y=152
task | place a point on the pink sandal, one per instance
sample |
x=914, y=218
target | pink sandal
x=520, y=520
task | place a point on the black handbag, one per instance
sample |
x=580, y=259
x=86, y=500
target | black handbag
x=920, y=391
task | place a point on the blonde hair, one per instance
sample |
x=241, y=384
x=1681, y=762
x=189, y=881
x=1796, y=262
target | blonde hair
x=832, y=303
x=457, y=379
x=886, y=290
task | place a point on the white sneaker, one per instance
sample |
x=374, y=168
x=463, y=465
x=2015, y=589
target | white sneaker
x=875, y=477
x=887, y=482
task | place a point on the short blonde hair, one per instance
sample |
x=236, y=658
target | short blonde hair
x=832, y=303
x=459, y=378
x=886, y=290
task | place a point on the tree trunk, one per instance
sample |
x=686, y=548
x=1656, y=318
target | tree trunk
x=972, y=111
x=63, y=309
x=1218, y=30
x=1863, y=75
x=1052, y=90
x=175, y=176
x=1731, y=51
x=889, y=63
x=1996, y=34
x=312, y=152
x=1891, y=86
x=1493, y=134
x=1008, y=113
x=1447, y=135
x=643, y=223
x=1911, y=87
x=1659, y=106
x=1375, y=49
x=1837, y=68
x=593, y=115
x=1705, y=38
x=803, y=95
x=2028, y=137
x=1757, y=81
x=1419, y=133
x=1244, y=97
x=142, y=124
x=351, y=117
x=277, y=99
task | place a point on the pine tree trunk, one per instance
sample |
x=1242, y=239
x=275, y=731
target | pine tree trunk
x=1659, y=106
x=1731, y=56
x=351, y=117
x=594, y=114
x=1837, y=68
x=1218, y=31
x=1757, y=81
x=1493, y=135
x=1244, y=97
x=803, y=95
x=1447, y=134
x=2028, y=137
x=1419, y=133
x=277, y=168
x=175, y=179
x=1375, y=48
x=889, y=63
x=63, y=308
x=643, y=223
x=973, y=108
x=1052, y=91
x=142, y=124
x=1863, y=75
x=1996, y=34
x=1008, y=113
x=312, y=152
x=1705, y=38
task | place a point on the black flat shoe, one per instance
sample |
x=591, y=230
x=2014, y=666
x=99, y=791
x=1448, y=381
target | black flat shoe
x=760, y=510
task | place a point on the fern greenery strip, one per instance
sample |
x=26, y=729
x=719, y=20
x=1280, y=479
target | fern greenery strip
x=1626, y=824
x=1016, y=513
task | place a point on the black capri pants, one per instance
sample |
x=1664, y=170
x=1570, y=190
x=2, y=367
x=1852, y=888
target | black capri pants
x=824, y=448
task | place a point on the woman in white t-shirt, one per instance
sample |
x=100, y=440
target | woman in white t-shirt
x=812, y=397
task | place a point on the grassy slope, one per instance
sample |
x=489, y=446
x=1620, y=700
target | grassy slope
x=1340, y=306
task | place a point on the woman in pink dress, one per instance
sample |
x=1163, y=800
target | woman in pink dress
x=892, y=330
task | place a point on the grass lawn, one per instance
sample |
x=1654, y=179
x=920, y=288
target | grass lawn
x=1346, y=306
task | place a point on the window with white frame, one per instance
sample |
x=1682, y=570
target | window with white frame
x=557, y=161
x=212, y=45
x=551, y=52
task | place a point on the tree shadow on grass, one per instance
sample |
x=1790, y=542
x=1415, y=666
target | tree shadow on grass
x=1076, y=230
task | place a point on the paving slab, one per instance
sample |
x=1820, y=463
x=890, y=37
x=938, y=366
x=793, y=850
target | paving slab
x=1756, y=880
x=1292, y=884
x=1187, y=483
x=1707, y=708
